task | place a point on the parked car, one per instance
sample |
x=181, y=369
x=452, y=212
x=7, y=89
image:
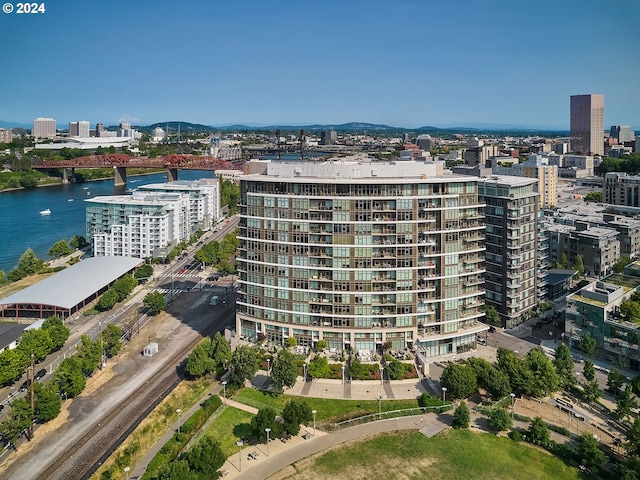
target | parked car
x=213, y=278
x=41, y=374
x=492, y=329
x=538, y=325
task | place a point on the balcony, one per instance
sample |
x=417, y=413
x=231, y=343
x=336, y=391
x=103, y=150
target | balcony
x=472, y=282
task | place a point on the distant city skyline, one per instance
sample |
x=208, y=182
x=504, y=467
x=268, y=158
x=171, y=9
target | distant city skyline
x=406, y=64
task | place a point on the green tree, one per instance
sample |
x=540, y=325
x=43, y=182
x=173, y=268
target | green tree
x=544, y=380
x=492, y=315
x=564, y=261
x=206, y=457
x=20, y=418
x=461, y=416
x=592, y=390
x=89, y=354
x=124, y=286
x=625, y=403
x=593, y=197
x=395, y=369
x=155, y=302
x=294, y=413
x=538, y=432
x=622, y=262
x=199, y=362
x=2, y=277
x=69, y=377
x=498, y=384
x=57, y=330
x=111, y=343
x=144, y=272
x=12, y=366
x=632, y=444
x=291, y=342
x=107, y=300
x=578, y=265
x=589, y=452
x=564, y=365
x=357, y=370
x=614, y=381
x=37, y=342
x=459, y=380
x=60, y=249
x=589, y=371
x=630, y=309
x=499, y=420
x=321, y=345
x=47, y=403
x=319, y=368
x=220, y=350
x=28, y=181
x=516, y=369
x=244, y=365
x=284, y=371
x=266, y=418
x=28, y=264
x=78, y=241
x=635, y=385
x=588, y=345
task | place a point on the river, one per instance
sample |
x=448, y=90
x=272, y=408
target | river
x=22, y=226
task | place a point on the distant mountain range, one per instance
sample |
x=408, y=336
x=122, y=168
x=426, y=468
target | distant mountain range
x=352, y=127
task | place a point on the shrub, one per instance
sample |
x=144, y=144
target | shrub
x=515, y=435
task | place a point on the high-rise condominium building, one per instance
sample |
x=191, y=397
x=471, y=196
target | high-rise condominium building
x=587, y=124
x=44, y=128
x=512, y=252
x=622, y=133
x=360, y=253
x=79, y=129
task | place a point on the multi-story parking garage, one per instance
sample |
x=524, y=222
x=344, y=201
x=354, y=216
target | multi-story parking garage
x=360, y=253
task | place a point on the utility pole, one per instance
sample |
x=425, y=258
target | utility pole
x=33, y=396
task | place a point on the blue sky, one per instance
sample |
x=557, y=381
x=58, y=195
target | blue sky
x=398, y=62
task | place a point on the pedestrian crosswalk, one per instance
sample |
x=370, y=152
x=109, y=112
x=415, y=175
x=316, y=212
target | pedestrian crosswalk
x=169, y=291
x=179, y=275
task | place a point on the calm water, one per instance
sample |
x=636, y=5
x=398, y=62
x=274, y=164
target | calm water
x=22, y=226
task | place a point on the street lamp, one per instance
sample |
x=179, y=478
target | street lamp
x=444, y=394
x=224, y=391
x=314, y=421
x=268, y=366
x=343, y=374
x=178, y=411
x=381, y=375
x=304, y=369
x=239, y=443
x=380, y=406
x=126, y=471
x=513, y=403
x=267, y=430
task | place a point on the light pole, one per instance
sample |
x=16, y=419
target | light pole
x=178, y=411
x=239, y=443
x=380, y=406
x=314, y=421
x=343, y=374
x=224, y=391
x=267, y=430
x=126, y=471
x=513, y=403
x=268, y=366
x=304, y=370
x=381, y=375
x=444, y=394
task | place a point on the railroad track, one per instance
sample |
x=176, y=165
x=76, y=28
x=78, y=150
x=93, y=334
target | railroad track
x=90, y=450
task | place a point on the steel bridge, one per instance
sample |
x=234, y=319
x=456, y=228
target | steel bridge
x=120, y=162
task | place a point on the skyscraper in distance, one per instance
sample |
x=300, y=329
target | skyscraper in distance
x=587, y=124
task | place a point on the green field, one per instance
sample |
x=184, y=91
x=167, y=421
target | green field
x=230, y=425
x=326, y=408
x=452, y=455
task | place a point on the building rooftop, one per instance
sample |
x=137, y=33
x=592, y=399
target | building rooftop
x=138, y=197
x=509, y=180
x=73, y=285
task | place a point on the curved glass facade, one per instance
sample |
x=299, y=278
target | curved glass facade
x=362, y=254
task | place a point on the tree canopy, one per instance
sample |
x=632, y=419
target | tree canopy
x=244, y=365
x=459, y=380
x=284, y=371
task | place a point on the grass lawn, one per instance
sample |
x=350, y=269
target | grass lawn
x=326, y=408
x=451, y=455
x=230, y=425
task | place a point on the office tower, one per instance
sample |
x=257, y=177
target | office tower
x=361, y=253
x=83, y=129
x=44, y=128
x=99, y=129
x=425, y=142
x=512, y=255
x=622, y=133
x=328, y=137
x=587, y=124
x=6, y=135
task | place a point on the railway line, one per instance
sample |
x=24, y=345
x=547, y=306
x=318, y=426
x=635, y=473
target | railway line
x=85, y=455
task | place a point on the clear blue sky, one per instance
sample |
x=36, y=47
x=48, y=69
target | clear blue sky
x=399, y=62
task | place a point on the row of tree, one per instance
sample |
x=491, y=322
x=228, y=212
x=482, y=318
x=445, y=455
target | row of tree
x=120, y=290
x=219, y=253
x=38, y=341
x=208, y=356
x=68, y=381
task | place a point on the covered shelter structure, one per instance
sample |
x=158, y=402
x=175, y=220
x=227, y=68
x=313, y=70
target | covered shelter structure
x=69, y=290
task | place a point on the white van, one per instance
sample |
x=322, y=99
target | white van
x=214, y=300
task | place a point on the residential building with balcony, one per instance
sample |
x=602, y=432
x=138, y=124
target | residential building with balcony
x=595, y=310
x=512, y=278
x=138, y=225
x=359, y=253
